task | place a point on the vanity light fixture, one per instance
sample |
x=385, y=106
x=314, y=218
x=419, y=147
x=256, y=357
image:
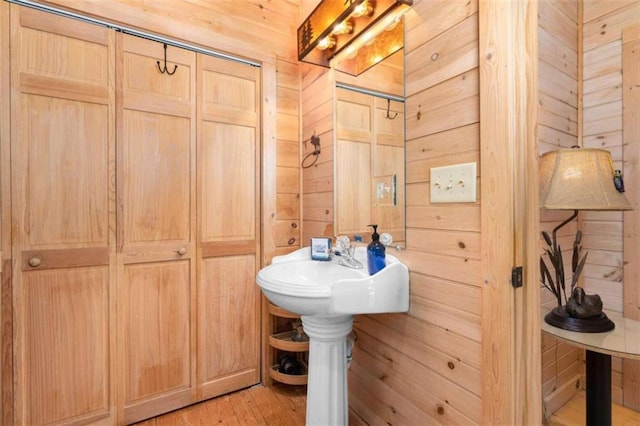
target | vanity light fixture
x=576, y=179
x=380, y=42
x=344, y=21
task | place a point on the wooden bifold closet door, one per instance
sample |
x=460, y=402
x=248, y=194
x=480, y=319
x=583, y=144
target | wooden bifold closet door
x=63, y=242
x=136, y=234
x=156, y=141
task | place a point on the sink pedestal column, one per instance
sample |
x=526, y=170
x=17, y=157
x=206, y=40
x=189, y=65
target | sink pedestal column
x=327, y=392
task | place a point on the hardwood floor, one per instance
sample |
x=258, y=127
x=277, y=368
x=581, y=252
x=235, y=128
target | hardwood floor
x=573, y=414
x=279, y=405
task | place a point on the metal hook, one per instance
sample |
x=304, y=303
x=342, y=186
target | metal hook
x=388, y=116
x=166, y=70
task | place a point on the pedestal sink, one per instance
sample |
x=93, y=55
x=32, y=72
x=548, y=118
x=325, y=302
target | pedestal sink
x=327, y=295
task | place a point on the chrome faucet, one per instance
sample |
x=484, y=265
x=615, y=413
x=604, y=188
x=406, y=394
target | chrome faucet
x=345, y=253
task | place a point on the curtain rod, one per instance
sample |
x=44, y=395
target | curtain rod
x=370, y=92
x=131, y=31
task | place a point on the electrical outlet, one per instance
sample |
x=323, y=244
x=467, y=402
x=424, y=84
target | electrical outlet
x=454, y=184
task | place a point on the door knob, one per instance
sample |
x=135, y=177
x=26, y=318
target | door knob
x=35, y=262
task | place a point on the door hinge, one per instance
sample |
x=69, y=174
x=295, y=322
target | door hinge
x=516, y=276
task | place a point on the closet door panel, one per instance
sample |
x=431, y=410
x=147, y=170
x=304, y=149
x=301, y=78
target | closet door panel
x=156, y=226
x=71, y=380
x=230, y=92
x=228, y=156
x=228, y=226
x=229, y=305
x=388, y=168
x=354, y=138
x=228, y=184
x=369, y=164
x=157, y=336
x=65, y=146
x=63, y=210
x=156, y=190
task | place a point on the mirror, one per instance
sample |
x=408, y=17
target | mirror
x=369, y=155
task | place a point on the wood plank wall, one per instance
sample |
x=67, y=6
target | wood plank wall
x=317, y=175
x=581, y=104
x=424, y=367
x=259, y=30
x=603, y=23
x=558, y=127
x=288, y=201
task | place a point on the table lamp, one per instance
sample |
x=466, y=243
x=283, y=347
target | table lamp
x=576, y=179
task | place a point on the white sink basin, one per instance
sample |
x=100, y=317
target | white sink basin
x=312, y=287
x=327, y=295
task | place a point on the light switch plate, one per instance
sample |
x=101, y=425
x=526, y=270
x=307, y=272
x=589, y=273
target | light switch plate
x=454, y=184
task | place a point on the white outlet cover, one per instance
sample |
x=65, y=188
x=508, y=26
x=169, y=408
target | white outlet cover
x=453, y=184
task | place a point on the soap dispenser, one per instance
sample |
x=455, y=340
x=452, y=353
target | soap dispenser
x=375, y=252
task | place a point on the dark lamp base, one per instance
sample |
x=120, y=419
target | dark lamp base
x=559, y=317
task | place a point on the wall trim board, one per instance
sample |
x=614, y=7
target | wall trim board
x=509, y=212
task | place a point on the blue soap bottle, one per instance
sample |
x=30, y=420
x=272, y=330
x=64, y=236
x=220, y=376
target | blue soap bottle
x=375, y=253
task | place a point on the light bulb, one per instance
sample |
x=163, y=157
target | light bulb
x=327, y=43
x=363, y=9
x=344, y=27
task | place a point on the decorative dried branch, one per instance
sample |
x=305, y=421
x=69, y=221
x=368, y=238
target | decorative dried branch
x=554, y=253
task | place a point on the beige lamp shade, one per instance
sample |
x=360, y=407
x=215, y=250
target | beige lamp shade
x=579, y=179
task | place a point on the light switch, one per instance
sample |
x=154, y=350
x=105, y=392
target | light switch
x=454, y=184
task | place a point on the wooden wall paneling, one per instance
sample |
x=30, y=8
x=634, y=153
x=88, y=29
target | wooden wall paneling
x=62, y=163
x=443, y=106
x=422, y=388
x=439, y=59
x=557, y=54
x=270, y=107
x=288, y=147
x=603, y=59
x=508, y=88
x=601, y=88
x=594, y=9
x=317, y=118
x=465, y=218
x=442, y=15
x=229, y=190
x=454, y=146
x=558, y=84
x=559, y=19
x=255, y=30
x=607, y=27
x=386, y=76
x=559, y=116
x=631, y=132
